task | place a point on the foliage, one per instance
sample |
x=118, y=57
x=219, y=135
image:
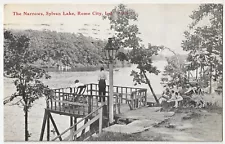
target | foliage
x=18, y=64
x=175, y=70
x=120, y=22
x=126, y=35
x=205, y=42
x=59, y=48
x=19, y=61
x=142, y=57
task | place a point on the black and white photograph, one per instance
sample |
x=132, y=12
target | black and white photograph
x=113, y=72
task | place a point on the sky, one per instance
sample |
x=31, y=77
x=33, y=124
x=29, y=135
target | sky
x=159, y=24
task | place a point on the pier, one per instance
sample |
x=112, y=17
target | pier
x=83, y=103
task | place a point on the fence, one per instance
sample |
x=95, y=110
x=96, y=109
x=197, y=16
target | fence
x=68, y=102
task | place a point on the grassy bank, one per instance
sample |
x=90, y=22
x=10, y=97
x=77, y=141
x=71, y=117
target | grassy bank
x=188, y=124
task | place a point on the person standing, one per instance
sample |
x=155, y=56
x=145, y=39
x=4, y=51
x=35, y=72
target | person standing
x=102, y=84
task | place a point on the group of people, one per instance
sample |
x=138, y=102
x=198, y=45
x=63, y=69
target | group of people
x=78, y=86
x=193, y=92
x=171, y=96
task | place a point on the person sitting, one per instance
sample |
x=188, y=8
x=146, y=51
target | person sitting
x=74, y=88
x=165, y=96
x=190, y=90
x=179, y=98
x=77, y=88
x=175, y=97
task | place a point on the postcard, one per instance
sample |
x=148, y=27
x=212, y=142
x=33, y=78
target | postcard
x=113, y=72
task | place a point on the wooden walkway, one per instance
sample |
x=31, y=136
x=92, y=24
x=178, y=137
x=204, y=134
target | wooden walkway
x=139, y=120
x=86, y=105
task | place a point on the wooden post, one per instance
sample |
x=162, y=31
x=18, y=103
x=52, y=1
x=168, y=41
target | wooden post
x=55, y=127
x=48, y=127
x=89, y=101
x=100, y=120
x=43, y=126
x=85, y=121
x=75, y=127
x=71, y=130
x=111, y=93
x=119, y=101
x=145, y=97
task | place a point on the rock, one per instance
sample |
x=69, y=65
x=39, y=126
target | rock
x=145, y=123
x=170, y=126
x=155, y=109
x=123, y=129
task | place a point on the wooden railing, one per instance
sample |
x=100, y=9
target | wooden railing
x=73, y=133
x=134, y=97
x=67, y=101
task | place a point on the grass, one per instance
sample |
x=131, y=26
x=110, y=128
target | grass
x=214, y=109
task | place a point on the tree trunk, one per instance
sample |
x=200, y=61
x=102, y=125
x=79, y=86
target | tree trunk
x=188, y=76
x=26, y=115
x=203, y=76
x=26, y=124
x=196, y=74
x=210, y=81
x=149, y=84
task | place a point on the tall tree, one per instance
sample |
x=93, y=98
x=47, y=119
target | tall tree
x=18, y=64
x=143, y=58
x=205, y=42
x=122, y=21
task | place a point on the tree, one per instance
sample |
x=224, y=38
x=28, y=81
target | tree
x=175, y=71
x=205, y=42
x=19, y=64
x=122, y=21
x=143, y=58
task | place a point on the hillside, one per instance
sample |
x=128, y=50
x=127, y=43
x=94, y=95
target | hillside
x=75, y=49
x=60, y=49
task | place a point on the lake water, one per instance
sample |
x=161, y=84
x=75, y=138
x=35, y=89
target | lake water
x=14, y=115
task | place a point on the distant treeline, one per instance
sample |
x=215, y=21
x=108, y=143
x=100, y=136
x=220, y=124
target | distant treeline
x=60, y=49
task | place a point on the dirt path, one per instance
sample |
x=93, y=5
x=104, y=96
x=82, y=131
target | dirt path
x=188, y=125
